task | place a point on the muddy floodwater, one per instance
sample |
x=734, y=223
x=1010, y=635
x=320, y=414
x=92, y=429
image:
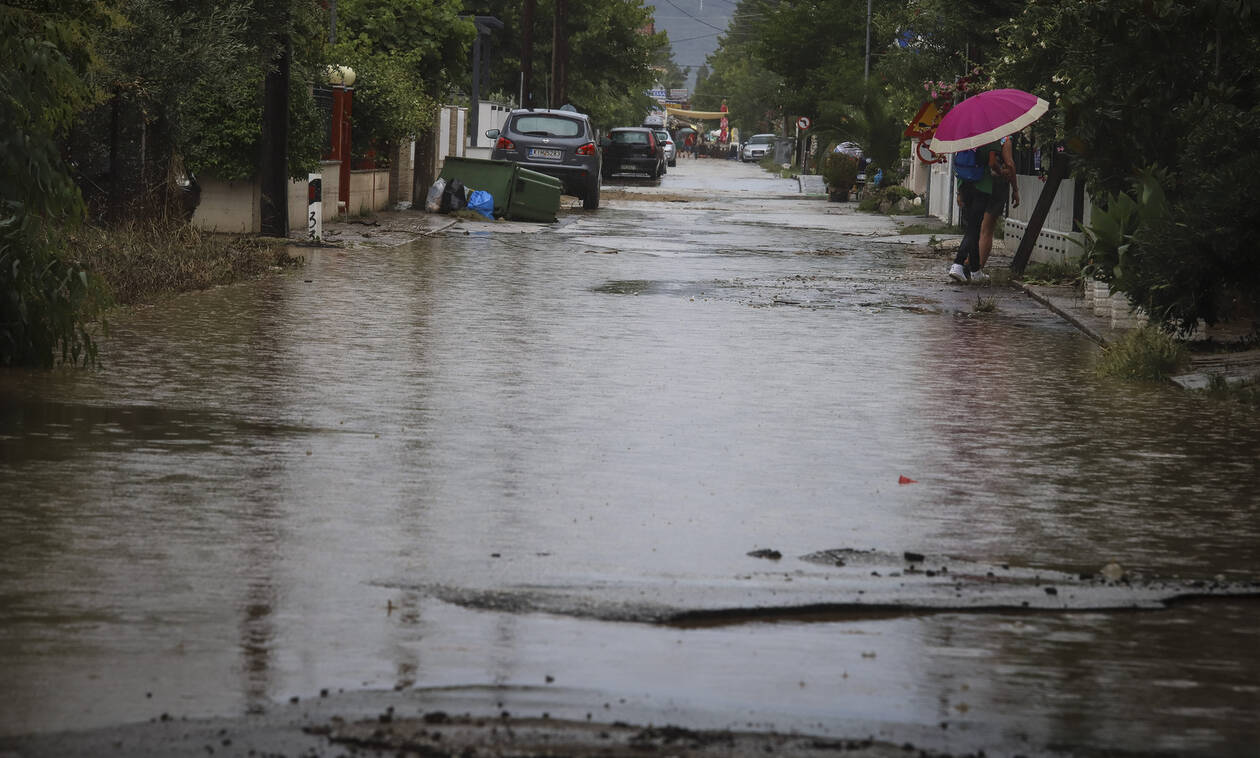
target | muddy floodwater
x=500, y=463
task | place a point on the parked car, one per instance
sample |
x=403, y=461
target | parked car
x=671, y=150
x=757, y=147
x=633, y=150
x=559, y=143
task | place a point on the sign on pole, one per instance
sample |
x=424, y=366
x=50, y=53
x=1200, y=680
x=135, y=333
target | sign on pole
x=803, y=123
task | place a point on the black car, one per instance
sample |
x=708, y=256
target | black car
x=633, y=150
x=559, y=143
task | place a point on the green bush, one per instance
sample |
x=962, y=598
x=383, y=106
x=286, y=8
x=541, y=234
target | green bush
x=882, y=199
x=840, y=171
x=1146, y=354
x=47, y=298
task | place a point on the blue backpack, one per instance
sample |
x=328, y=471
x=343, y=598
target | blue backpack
x=967, y=165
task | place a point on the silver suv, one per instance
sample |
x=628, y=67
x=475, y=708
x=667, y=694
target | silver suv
x=559, y=143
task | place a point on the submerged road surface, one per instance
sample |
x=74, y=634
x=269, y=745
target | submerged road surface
x=643, y=465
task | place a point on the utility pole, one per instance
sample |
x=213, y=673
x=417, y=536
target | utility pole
x=868, y=41
x=527, y=55
x=560, y=54
x=484, y=24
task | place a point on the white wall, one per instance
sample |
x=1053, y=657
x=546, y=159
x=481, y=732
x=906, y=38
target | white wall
x=369, y=190
x=229, y=207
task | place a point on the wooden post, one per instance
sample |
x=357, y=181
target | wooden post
x=560, y=55
x=1059, y=169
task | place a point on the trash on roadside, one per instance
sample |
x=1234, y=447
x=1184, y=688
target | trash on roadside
x=454, y=196
x=433, y=203
x=482, y=202
x=1112, y=572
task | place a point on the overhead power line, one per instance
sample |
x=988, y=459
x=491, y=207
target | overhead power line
x=688, y=15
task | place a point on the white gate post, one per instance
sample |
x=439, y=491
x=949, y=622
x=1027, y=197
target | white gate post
x=315, y=207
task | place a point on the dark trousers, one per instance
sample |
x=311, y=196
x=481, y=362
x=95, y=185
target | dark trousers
x=973, y=205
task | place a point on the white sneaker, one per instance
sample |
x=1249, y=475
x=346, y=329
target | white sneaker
x=958, y=273
x=979, y=277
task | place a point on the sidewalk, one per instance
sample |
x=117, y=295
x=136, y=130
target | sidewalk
x=1068, y=302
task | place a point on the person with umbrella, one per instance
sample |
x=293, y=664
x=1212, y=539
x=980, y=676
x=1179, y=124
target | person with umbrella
x=973, y=130
x=1001, y=165
x=975, y=191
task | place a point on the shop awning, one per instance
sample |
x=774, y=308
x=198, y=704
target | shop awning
x=679, y=112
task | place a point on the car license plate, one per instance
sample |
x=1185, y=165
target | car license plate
x=546, y=153
x=627, y=167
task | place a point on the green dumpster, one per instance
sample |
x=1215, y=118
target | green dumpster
x=535, y=197
x=519, y=194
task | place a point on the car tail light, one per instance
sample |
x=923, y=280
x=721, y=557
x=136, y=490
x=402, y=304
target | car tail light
x=587, y=149
x=504, y=144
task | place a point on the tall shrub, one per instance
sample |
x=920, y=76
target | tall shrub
x=46, y=298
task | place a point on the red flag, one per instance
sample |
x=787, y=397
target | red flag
x=905, y=480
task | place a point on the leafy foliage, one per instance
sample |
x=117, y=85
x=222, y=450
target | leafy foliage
x=404, y=54
x=610, y=60
x=753, y=92
x=1124, y=103
x=839, y=170
x=46, y=298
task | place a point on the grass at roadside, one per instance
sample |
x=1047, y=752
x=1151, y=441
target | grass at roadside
x=1052, y=273
x=148, y=260
x=929, y=228
x=1145, y=354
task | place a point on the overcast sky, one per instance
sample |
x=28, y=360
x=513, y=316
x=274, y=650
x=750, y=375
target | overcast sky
x=693, y=27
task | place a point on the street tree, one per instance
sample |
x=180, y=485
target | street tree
x=1167, y=144
x=47, y=298
x=610, y=54
x=404, y=55
x=753, y=93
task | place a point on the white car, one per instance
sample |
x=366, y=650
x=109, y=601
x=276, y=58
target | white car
x=671, y=150
x=757, y=147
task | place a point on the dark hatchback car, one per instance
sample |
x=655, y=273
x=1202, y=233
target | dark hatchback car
x=557, y=143
x=633, y=150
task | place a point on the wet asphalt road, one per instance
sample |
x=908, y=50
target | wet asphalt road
x=491, y=471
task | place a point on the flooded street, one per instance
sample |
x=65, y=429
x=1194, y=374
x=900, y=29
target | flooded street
x=501, y=471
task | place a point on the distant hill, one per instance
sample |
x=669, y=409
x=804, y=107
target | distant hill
x=693, y=27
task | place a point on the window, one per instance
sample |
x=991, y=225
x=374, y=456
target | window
x=544, y=125
x=630, y=138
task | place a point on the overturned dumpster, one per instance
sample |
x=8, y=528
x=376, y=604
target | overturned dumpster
x=519, y=194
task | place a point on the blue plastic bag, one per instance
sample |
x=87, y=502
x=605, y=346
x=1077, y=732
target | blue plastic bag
x=482, y=202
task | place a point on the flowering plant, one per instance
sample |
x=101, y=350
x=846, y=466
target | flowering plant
x=946, y=93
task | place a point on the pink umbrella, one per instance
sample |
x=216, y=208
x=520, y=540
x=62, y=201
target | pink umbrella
x=986, y=117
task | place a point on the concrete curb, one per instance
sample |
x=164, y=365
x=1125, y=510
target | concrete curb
x=1067, y=313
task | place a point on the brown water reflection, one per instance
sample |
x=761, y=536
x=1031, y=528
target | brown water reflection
x=219, y=519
